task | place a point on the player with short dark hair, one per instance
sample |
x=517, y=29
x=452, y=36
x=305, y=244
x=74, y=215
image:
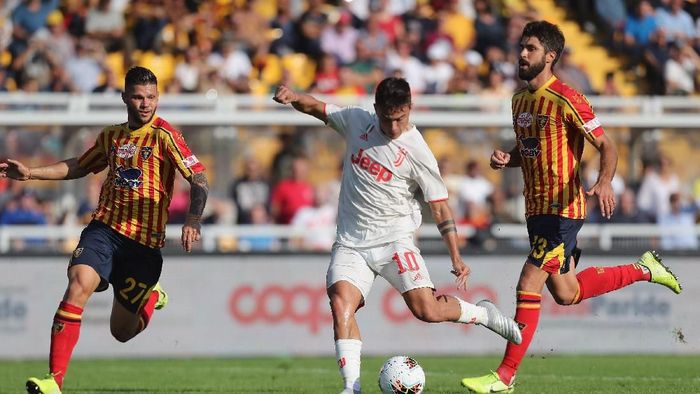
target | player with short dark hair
x=121, y=245
x=552, y=122
x=385, y=163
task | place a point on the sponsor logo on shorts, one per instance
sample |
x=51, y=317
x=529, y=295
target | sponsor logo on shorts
x=77, y=252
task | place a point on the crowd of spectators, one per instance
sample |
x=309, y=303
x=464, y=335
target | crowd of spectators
x=330, y=47
x=235, y=46
x=335, y=47
x=659, y=39
x=282, y=192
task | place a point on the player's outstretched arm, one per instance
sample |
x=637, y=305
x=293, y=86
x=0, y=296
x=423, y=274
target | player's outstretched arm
x=442, y=214
x=302, y=102
x=66, y=169
x=199, y=191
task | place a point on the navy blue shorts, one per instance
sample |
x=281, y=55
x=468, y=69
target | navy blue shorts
x=132, y=269
x=552, y=241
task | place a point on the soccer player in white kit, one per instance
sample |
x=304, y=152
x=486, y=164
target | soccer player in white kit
x=386, y=162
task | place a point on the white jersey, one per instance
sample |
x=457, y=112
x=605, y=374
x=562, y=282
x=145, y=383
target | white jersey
x=380, y=179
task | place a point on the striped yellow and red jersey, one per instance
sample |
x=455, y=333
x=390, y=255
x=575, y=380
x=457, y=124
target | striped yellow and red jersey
x=138, y=189
x=551, y=125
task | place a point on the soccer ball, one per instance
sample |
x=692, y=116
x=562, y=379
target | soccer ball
x=401, y=374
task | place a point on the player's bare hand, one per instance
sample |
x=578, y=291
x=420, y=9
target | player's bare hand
x=285, y=95
x=606, y=198
x=461, y=271
x=499, y=159
x=191, y=233
x=14, y=170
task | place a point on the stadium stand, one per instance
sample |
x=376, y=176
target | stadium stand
x=218, y=62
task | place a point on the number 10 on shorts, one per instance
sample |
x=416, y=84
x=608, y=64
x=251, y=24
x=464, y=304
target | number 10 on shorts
x=410, y=263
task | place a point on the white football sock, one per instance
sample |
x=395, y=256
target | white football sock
x=471, y=313
x=347, y=353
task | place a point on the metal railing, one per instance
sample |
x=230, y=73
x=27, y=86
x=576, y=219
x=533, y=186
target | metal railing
x=604, y=235
x=211, y=234
x=236, y=110
x=601, y=236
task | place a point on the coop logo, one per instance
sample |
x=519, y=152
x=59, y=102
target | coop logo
x=127, y=177
x=13, y=312
x=275, y=304
x=381, y=174
x=529, y=147
x=307, y=306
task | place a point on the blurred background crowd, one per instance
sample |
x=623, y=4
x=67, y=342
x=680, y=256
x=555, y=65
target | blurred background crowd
x=290, y=175
x=337, y=47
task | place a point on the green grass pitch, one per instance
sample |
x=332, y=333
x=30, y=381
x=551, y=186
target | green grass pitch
x=538, y=374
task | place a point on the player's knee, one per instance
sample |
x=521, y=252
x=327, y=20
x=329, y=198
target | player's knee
x=78, y=292
x=339, y=304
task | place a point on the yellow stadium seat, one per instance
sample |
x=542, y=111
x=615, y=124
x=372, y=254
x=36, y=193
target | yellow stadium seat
x=301, y=69
x=271, y=74
x=115, y=62
x=163, y=65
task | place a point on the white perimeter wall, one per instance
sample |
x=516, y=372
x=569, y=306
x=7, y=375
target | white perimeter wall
x=268, y=305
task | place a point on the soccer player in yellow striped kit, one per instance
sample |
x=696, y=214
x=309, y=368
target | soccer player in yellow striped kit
x=552, y=122
x=121, y=245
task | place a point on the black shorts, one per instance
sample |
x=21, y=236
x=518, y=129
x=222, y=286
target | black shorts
x=132, y=269
x=552, y=241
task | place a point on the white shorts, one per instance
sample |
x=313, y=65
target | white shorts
x=399, y=262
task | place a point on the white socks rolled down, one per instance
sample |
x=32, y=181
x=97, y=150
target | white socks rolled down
x=471, y=313
x=347, y=353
